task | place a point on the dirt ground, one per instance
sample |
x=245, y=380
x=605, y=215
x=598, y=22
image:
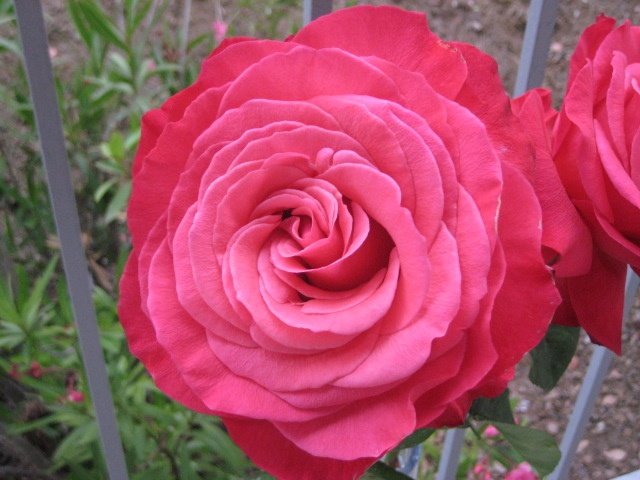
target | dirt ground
x=611, y=446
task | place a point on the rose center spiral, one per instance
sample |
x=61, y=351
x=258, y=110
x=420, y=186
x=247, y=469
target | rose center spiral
x=334, y=249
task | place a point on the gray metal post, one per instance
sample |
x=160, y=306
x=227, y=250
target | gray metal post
x=448, y=466
x=598, y=369
x=535, y=46
x=315, y=8
x=43, y=94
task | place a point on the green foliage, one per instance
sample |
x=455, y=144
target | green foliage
x=495, y=409
x=552, y=355
x=416, y=438
x=27, y=319
x=160, y=437
x=535, y=446
x=384, y=471
x=276, y=15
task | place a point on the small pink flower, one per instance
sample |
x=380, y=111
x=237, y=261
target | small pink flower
x=219, y=29
x=35, y=370
x=522, y=472
x=53, y=52
x=481, y=469
x=491, y=432
x=75, y=396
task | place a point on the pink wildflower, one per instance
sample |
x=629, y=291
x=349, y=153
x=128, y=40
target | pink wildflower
x=491, y=432
x=219, y=29
x=75, y=396
x=481, y=469
x=522, y=472
x=35, y=370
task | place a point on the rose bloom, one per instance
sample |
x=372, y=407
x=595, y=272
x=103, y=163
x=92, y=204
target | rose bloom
x=336, y=241
x=596, y=150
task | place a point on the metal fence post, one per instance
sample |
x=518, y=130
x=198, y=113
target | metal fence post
x=448, y=466
x=315, y=8
x=43, y=94
x=535, y=45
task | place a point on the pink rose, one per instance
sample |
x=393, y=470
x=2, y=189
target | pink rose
x=596, y=150
x=335, y=241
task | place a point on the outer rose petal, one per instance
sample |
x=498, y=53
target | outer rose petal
x=139, y=330
x=598, y=300
x=267, y=447
x=399, y=37
x=331, y=236
x=564, y=232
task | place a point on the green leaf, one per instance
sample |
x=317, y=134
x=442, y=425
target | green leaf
x=81, y=27
x=153, y=472
x=384, y=471
x=552, y=355
x=98, y=20
x=11, y=335
x=8, y=310
x=535, y=446
x=132, y=140
x=494, y=409
x=211, y=436
x=118, y=202
x=117, y=147
x=103, y=188
x=194, y=42
x=135, y=15
x=29, y=310
x=416, y=438
x=186, y=465
x=19, y=429
x=121, y=67
x=9, y=46
x=76, y=446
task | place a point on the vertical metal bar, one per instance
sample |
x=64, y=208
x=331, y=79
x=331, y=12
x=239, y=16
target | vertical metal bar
x=183, y=38
x=448, y=466
x=535, y=47
x=43, y=94
x=409, y=460
x=315, y=8
x=598, y=369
